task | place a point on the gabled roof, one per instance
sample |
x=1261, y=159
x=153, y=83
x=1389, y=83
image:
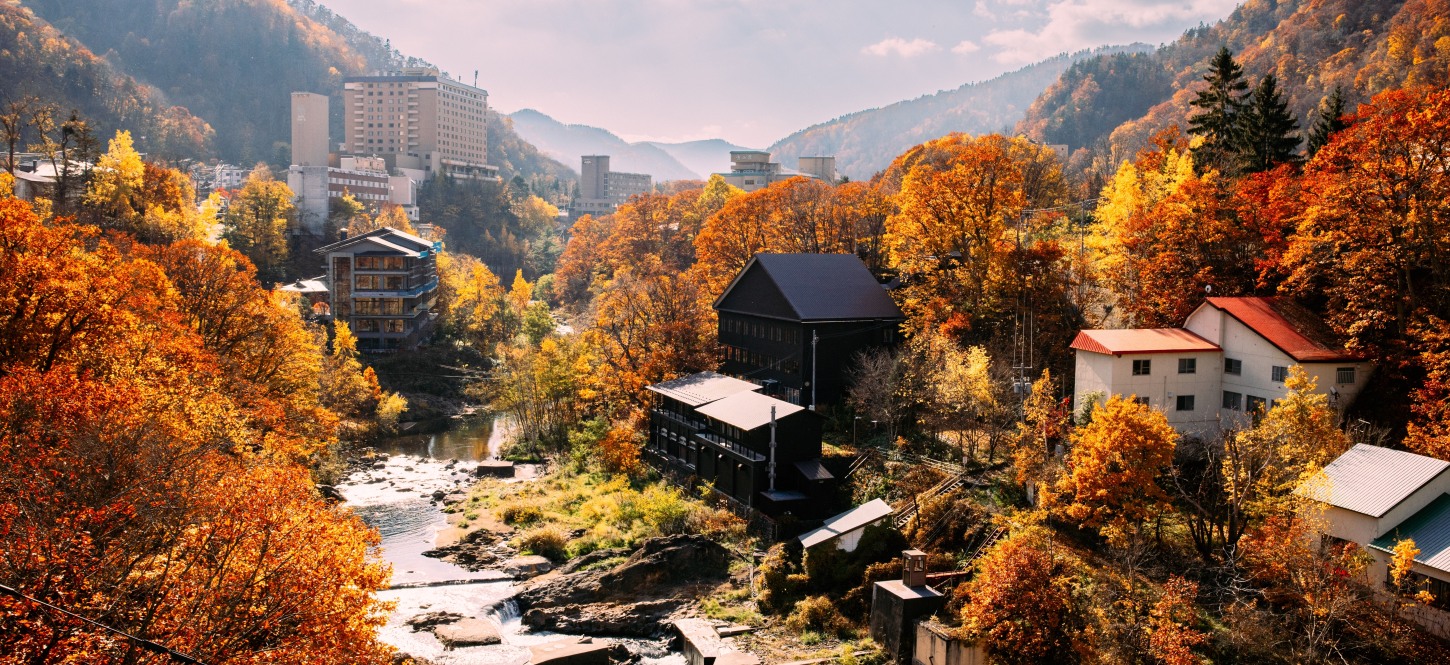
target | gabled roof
x=1153, y=340
x=386, y=237
x=314, y=285
x=1372, y=480
x=747, y=410
x=846, y=522
x=1430, y=528
x=702, y=388
x=808, y=287
x=1289, y=327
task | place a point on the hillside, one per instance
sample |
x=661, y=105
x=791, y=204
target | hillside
x=866, y=141
x=231, y=62
x=516, y=157
x=702, y=157
x=1115, y=102
x=38, y=61
x=567, y=143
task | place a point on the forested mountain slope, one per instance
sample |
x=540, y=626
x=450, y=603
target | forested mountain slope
x=39, y=62
x=866, y=141
x=1113, y=103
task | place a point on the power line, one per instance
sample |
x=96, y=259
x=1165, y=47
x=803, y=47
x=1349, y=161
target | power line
x=153, y=647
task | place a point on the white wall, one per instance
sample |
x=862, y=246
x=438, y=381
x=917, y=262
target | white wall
x=1113, y=375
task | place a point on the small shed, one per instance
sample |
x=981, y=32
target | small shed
x=845, y=529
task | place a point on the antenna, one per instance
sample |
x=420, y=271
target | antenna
x=475, y=78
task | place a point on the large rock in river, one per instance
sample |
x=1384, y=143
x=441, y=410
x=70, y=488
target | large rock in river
x=467, y=633
x=633, y=598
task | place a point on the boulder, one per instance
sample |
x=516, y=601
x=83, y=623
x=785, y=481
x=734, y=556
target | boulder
x=432, y=619
x=524, y=567
x=592, y=558
x=330, y=493
x=467, y=633
x=646, y=618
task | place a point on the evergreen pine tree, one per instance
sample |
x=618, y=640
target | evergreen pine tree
x=1329, y=119
x=1221, y=103
x=1266, y=132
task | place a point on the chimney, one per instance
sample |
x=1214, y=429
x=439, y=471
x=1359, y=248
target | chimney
x=913, y=568
x=342, y=234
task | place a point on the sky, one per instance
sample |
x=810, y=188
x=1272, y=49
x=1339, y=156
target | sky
x=748, y=71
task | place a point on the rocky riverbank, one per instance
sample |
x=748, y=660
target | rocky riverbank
x=660, y=581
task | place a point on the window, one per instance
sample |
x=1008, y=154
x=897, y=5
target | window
x=1185, y=402
x=1141, y=400
x=393, y=325
x=1231, y=366
x=1187, y=365
x=1142, y=367
x=1344, y=375
x=1233, y=401
x=1280, y=373
x=1256, y=404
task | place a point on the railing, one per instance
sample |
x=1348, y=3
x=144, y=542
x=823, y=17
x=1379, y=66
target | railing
x=722, y=442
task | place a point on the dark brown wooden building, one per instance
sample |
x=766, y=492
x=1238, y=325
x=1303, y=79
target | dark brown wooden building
x=721, y=430
x=794, y=323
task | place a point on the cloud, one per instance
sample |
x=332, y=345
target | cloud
x=900, y=47
x=966, y=46
x=1073, y=25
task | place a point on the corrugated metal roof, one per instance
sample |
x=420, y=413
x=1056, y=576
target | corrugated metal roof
x=702, y=388
x=1151, y=340
x=1430, y=528
x=846, y=522
x=1288, y=326
x=747, y=410
x=820, y=287
x=1371, y=480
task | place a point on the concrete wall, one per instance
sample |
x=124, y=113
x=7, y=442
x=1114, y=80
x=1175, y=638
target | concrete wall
x=309, y=129
x=934, y=646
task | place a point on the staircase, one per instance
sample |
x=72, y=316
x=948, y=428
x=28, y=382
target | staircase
x=904, y=514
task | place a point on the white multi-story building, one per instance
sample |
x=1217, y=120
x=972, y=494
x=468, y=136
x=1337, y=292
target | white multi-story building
x=1228, y=361
x=315, y=187
x=418, y=119
x=601, y=190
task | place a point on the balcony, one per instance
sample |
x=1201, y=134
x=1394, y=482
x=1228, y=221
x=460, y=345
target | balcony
x=719, y=442
x=692, y=425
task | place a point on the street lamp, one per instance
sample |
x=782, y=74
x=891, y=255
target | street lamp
x=853, y=430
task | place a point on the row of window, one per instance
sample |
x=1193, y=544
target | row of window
x=378, y=306
x=766, y=331
x=749, y=358
x=381, y=283
x=381, y=263
x=1232, y=401
x=379, y=325
x=1277, y=373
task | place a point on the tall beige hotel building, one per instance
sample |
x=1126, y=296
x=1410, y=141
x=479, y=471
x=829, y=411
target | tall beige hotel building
x=418, y=119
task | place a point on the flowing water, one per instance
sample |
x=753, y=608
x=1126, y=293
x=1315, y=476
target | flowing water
x=397, y=500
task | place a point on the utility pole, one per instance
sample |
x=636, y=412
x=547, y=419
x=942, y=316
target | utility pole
x=771, y=467
x=815, y=337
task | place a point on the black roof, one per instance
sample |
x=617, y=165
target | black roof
x=808, y=287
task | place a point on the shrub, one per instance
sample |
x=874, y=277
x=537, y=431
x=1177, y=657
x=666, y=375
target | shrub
x=817, y=613
x=516, y=512
x=546, y=541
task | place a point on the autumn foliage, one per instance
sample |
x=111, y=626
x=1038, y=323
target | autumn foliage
x=157, y=409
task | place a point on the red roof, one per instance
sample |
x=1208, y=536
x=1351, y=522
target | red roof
x=1154, y=340
x=1289, y=327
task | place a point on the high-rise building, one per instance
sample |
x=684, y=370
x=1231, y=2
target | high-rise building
x=418, y=119
x=752, y=169
x=309, y=129
x=820, y=167
x=602, y=190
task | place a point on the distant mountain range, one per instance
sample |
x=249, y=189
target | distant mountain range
x=694, y=160
x=865, y=142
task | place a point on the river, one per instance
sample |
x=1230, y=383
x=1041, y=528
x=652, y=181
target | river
x=396, y=500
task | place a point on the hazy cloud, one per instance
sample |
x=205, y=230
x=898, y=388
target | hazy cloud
x=966, y=46
x=1073, y=25
x=900, y=47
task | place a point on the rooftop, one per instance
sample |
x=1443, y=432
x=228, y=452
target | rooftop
x=1430, y=528
x=387, y=238
x=846, y=522
x=815, y=287
x=747, y=410
x=1152, y=340
x=702, y=388
x=1288, y=326
x=1372, y=480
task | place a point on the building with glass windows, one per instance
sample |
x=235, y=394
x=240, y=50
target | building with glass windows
x=383, y=284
